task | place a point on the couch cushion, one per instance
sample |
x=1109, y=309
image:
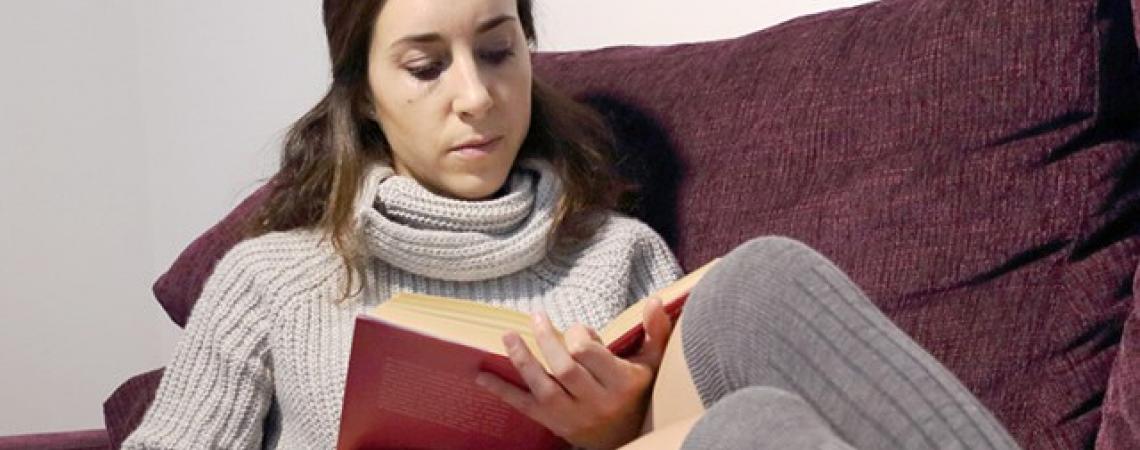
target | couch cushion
x=1122, y=403
x=966, y=162
x=123, y=411
x=1136, y=19
x=180, y=286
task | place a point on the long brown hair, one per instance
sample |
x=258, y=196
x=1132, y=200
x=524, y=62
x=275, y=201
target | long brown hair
x=326, y=151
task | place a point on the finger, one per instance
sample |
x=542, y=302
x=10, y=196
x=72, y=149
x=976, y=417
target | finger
x=658, y=327
x=543, y=388
x=594, y=336
x=510, y=394
x=577, y=380
x=583, y=334
x=586, y=347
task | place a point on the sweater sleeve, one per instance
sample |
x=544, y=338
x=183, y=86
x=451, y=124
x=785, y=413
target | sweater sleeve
x=218, y=389
x=653, y=266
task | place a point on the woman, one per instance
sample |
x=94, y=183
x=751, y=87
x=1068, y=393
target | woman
x=436, y=163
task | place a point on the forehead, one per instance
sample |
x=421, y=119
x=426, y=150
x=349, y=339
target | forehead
x=400, y=18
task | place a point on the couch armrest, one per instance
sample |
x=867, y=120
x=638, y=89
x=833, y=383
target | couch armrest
x=123, y=411
x=68, y=440
x=1120, y=420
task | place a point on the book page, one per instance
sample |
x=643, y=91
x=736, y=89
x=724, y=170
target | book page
x=633, y=315
x=482, y=326
x=482, y=334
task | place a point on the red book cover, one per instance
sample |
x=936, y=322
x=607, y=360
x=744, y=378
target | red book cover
x=628, y=343
x=407, y=388
x=410, y=390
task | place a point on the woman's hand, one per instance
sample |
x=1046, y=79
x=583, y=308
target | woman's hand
x=592, y=399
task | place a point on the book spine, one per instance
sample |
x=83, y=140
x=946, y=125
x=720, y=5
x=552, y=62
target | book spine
x=630, y=341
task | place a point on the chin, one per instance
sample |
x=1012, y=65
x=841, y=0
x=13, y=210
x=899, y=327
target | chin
x=476, y=188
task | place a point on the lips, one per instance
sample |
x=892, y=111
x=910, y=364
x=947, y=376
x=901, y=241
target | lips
x=476, y=146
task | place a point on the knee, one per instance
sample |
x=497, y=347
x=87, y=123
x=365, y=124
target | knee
x=761, y=396
x=780, y=251
x=769, y=259
x=754, y=274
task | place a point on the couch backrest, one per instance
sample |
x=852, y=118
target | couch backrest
x=973, y=164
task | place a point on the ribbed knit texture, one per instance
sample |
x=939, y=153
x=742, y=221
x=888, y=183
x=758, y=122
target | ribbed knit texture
x=449, y=239
x=265, y=352
x=775, y=313
x=762, y=418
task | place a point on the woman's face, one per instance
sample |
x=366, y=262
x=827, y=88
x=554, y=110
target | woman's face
x=451, y=87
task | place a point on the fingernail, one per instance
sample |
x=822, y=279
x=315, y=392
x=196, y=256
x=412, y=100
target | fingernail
x=511, y=341
x=481, y=380
x=536, y=317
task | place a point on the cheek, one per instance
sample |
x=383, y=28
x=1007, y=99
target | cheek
x=526, y=107
x=406, y=116
x=527, y=85
x=397, y=96
x=520, y=92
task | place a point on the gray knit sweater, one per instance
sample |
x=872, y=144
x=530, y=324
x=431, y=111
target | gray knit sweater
x=263, y=359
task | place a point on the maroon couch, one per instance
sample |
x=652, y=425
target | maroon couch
x=973, y=164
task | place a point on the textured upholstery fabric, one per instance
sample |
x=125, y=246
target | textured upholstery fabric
x=180, y=286
x=70, y=440
x=1122, y=403
x=1136, y=19
x=958, y=159
x=971, y=164
x=125, y=408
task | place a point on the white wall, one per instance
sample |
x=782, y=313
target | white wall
x=582, y=24
x=127, y=127
x=74, y=258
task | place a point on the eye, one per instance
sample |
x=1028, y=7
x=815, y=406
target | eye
x=497, y=57
x=426, y=72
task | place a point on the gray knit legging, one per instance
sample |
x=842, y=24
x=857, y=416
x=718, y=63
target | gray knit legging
x=787, y=353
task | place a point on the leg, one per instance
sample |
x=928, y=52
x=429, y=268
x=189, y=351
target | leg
x=755, y=417
x=775, y=313
x=762, y=418
x=674, y=398
x=674, y=405
x=667, y=437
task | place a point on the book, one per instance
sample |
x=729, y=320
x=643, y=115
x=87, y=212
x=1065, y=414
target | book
x=413, y=361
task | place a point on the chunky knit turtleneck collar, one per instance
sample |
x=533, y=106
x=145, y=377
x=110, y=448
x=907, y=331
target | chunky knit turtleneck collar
x=406, y=225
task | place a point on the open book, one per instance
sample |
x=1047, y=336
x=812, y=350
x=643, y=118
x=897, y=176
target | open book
x=411, y=373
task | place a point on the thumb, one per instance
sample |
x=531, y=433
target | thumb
x=658, y=327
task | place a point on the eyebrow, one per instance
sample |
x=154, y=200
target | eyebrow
x=484, y=27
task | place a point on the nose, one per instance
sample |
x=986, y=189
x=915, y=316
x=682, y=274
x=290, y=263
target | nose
x=473, y=97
